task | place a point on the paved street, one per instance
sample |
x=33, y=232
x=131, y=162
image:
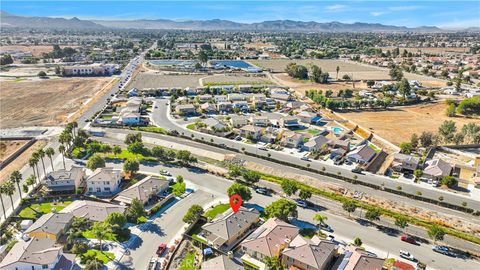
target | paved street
x=345, y=229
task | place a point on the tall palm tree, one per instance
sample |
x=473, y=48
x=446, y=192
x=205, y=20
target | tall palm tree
x=320, y=218
x=36, y=157
x=1, y=200
x=41, y=155
x=50, y=152
x=61, y=149
x=16, y=177
x=31, y=180
x=74, y=126
x=9, y=189
x=32, y=162
x=337, y=69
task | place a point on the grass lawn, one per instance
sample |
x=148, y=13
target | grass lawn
x=37, y=210
x=376, y=149
x=313, y=131
x=188, y=262
x=103, y=256
x=308, y=232
x=191, y=126
x=213, y=212
x=89, y=234
x=152, y=129
x=125, y=154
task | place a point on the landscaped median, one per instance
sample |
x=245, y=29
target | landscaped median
x=340, y=198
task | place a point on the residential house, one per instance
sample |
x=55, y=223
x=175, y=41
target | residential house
x=402, y=162
x=238, y=121
x=308, y=117
x=315, y=143
x=92, y=210
x=236, y=97
x=130, y=118
x=251, y=132
x=104, y=182
x=221, y=262
x=280, y=94
x=357, y=259
x=288, y=122
x=362, y=154
x=214, y=124
x=51, y=225
x=208, y=108
x=435, y=169
x=204, y=98
x=146, y=190
x=271, y=135
x=268, y=240
x=132, y=92
x=37, y=254
x=242, y=105
x=224, y=106
x=336, y=143
x=220, y=98
x=258, y=100
x=244, y=88
x=63, y=181
x=292, y=139
x=270, y=103
x=185, y=109
x=225, y=231
x=294, y=105
x=309, y=254
x=261, y=121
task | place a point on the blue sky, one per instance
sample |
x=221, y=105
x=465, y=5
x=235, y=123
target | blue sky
x=447, y=14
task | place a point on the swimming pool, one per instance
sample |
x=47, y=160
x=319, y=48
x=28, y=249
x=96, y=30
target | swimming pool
x=337, y=130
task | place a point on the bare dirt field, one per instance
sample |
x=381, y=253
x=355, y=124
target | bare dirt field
x=8, y=147
x=21, y=160
x=146, y=80
x=398, y=124
x=46, y=102
x=235, y=79
x=35, y=50
x=11, y=73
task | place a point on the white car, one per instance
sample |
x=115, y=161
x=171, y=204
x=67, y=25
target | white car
x=406, y=255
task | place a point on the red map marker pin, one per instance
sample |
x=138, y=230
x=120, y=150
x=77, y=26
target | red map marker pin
x=235, y=202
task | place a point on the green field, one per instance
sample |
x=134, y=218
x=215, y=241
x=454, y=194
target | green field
x=37, y=210
x=103, y=256
x=219, y=209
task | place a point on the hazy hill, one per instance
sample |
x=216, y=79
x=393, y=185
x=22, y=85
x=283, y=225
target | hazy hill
x=10, y=20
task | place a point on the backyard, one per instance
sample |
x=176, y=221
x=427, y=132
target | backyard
x=216, y=210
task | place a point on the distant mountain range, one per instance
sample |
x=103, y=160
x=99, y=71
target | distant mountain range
x=10, y=20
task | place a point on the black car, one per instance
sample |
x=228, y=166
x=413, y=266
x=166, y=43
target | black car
x=262, y=191
x=357, y=170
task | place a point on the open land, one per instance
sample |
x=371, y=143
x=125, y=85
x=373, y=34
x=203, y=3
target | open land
x=354, y=70
x=145, y=80
x=430, y=49
x=398, y=124
x=46, y=102
x=21, y=160
x=37, y=50
x=15, y=72
x=8, y=147
x=234, y=79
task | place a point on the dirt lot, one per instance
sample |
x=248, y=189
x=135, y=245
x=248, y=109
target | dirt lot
x=11, y=73
x=152, y=80
x=8, y=147
x=430, y=50
x=21, y=160
x=398, y=124
x=35, y=50
x=45, y=102
x=234, y=79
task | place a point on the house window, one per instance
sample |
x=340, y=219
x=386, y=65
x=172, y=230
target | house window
x=90, y=189
x=106, y=182
x=45, y=266
x=99, y=189
x=107, y=189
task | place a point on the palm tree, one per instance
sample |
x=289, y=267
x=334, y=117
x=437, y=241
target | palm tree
x=50, y=152
x=1, y=200
x=41, y=155
x=101, y=230
x=8, y=189
x=74, y=126
x=16, y=177
x=61, y=149
x=31, y=180
x=338, y=69
x=320, y=218
x=32, y=162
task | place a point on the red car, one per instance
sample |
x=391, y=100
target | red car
x=161, y=249
x=408, y=239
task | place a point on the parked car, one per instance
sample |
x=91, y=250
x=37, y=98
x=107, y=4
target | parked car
x=302, y=203
x=238, y=138
x=161, y=249
x=408, y=239
x=154, y=264
x=330, y=237
x=406, y=255
x=357, y=170
x=325, y=227
x=166, y=173
x=443, y=250
x=263, y=148
x=305, y=158
x=263, y=191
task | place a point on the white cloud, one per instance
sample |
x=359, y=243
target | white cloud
x=336, y=7
x=378, y=13
x=460, y=24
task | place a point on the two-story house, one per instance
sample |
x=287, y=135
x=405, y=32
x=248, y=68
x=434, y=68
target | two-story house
x=104, y=182
x=65, y=181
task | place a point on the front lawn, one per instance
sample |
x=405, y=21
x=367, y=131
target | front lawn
x=308, y=232
x=103, y=256
x=219, y=209
x=125, y=154
x=188, y=262
x=37, y=210
x=89, y=234
x=191, y=126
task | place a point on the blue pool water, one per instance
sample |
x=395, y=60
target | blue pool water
x=336, y=130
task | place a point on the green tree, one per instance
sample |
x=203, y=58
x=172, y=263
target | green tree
x=101, y=230
x=281, y=209
x=61, y=149
x=8, y=189
x=436, y=233
x=401, y=222
x=449, y=181
x=447, y=130
x=451, y=110
x=357, y=242
x=185, y=157
x=202, y=57
x=16, y=177
x=6, y=59
x=304, y=194
x=349, y=207
x=117, y=219
x=273, y=263
x=42, y=74
x=131, y=166
x=133, y=137
x=116, y=149
x=289, y=187
x=406, y=148
x=396, y=73
x=251, y=176
x=135, y=211
x=242, y=190
x=50, y=152
x=427, y=139
x=373, y=214
x=179, y=178
x=404, y=88
x=136, y=148
x=193, y=213
x=320, y=219
x=234, y=171
x=417, y=173
x=41, y=155
x=95, y=162
x=178, y=189
x=414, y=140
